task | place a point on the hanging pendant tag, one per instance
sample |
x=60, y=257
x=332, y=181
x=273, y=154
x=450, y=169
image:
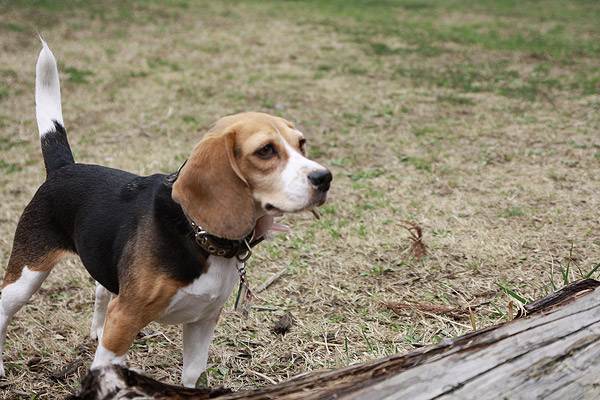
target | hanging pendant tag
x=243, y=302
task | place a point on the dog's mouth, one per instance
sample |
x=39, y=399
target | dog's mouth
x=317, y=200
x=274, y=211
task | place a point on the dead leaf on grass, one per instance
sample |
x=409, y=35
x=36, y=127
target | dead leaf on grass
x=284, y=324
x=35, y=364
x=67, y=370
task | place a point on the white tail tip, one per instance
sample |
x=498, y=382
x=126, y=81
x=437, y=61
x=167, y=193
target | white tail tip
x=47, y=91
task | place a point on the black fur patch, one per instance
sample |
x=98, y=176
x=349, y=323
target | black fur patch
x=55, y=148
x=108, y=216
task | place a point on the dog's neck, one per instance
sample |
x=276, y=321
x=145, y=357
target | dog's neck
x=225, y=247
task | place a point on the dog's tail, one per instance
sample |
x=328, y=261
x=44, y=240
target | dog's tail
x=55, y=146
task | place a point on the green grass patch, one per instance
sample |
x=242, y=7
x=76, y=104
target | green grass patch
x=423, y=131
x=495, y=77
x=381, y=49
x=13, y=27
x=6, y=143
x=9, y=167
x=417, y=162
x=368, y=173
x=513, y=294
x=514, y=211
x=3, y=92
x=157, y=62
x=78, y=76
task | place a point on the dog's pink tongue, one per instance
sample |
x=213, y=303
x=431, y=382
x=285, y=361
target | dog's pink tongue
x=266, y=224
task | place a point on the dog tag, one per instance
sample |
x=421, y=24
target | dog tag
x=243, y=302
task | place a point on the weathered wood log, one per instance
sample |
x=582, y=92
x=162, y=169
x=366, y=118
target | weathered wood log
x=552, y=353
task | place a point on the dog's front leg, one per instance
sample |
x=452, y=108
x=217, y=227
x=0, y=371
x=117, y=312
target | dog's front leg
x=120, y=328
x=136, y=306
x=196, y=341
x=103, y=297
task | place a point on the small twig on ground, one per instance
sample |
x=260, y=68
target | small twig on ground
x=20, y=393
x=417, y=249
x=510, y=310
x=432, y=308
x=263, y=376
x=264, y=308
x=472, y=316
x=270, y=281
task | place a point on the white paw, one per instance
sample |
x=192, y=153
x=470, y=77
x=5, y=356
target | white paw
x=105, y=357
x=96, y=334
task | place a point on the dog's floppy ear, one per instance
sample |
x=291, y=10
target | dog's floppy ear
x=212, y=190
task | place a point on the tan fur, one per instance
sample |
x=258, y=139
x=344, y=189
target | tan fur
x=144, y=292
x=221, y=180
x=263, y=175
x=211, y=191
x=20, y=259
x=138, y=303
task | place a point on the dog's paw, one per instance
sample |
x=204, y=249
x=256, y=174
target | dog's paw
x=2, y=374
x=96, y=334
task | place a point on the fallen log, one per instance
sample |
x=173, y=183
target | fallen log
x=551, y=352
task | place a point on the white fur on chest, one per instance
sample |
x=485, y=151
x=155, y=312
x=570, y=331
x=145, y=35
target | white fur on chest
x=203, y=298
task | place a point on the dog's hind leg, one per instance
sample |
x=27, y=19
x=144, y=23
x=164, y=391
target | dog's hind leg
x=21, y=282
x=14, y=295
x=103, y=297
x=36, y=249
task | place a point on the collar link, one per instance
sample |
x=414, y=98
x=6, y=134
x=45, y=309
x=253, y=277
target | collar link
x=228, y=248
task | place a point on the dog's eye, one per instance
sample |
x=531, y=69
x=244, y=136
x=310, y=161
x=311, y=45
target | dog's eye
x=302, y=146
x=267, y=151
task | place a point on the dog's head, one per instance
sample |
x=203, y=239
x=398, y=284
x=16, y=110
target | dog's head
x=247, y=166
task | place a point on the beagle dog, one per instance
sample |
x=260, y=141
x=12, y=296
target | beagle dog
x=167, y=248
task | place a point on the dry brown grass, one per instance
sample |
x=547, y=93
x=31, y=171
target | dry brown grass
x=502, y=185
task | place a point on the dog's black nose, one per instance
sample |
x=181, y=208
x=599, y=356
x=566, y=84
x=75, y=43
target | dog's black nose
x=321, y=179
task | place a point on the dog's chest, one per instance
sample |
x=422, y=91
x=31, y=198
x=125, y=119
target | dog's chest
x=203, y=298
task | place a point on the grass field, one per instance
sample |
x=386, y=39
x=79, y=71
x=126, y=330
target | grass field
x=477, y=121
